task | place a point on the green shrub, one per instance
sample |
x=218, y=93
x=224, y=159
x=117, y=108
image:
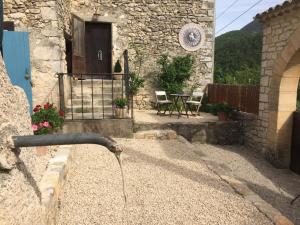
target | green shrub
x=135, y=83
x=118, y=67
x=223, y=107
x=46, y=119
x=174, y=72
x=120, y=102
x=209, y=108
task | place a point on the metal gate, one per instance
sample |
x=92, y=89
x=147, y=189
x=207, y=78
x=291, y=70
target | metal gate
x=295, y=151
x=17, y=60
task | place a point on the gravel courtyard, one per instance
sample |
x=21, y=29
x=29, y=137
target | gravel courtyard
x=276, y=186
x=166, y=183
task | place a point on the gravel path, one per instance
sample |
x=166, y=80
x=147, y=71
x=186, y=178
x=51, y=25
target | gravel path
x=276, y=186
x=167, y=183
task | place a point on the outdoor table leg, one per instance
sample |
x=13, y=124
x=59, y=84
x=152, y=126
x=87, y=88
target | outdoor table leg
x=175, y=104
x=184, y=99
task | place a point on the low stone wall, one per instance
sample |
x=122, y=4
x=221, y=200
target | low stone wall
x=251, y=134
x=53, y=181
x=118, y=128
x=223, y=133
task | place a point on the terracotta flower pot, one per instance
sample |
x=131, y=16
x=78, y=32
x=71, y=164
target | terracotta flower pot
x=222, y=116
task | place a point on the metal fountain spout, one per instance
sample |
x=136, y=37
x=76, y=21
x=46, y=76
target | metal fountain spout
x=66, y=139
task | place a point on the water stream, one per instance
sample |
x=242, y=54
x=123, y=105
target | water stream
x=118, y=156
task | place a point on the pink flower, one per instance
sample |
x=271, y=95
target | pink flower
x=41, y=124
x=35, y=127
x=46, y=124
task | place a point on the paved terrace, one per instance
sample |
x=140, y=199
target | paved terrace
x=150, y=116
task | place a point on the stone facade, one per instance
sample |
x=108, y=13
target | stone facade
x=152, y=27
x=44, y=20
x=279, y=80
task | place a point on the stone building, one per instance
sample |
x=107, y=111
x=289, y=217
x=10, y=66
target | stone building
x=152, y=27
x=279, y=81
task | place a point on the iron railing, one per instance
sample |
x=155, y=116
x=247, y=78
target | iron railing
x=90, y=96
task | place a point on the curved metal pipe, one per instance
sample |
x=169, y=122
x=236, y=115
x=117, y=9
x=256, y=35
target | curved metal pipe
x=66, y=139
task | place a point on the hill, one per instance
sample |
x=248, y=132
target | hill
x=238, y=55
x=253, y=27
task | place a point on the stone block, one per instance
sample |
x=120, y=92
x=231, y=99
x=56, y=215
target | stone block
x=48, y=13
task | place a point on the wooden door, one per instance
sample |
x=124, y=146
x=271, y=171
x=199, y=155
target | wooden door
x=295, y=151
x=78, y=46
x=98, y=42
x=16, y=56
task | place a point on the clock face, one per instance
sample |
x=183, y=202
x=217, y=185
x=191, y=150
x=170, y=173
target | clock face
x=192, y=37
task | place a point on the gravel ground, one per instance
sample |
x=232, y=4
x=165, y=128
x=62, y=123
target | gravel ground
x=166, y=182
x=276, y=186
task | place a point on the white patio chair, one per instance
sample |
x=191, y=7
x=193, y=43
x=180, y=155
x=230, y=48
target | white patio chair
x=195, y=100
x=162, y=100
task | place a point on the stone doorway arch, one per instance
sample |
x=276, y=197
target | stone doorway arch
x=282, y=99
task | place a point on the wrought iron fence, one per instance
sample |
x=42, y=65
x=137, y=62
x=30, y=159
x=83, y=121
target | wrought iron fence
x=90, y=96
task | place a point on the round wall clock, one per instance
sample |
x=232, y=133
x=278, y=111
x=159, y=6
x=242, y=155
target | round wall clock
x=192, y=37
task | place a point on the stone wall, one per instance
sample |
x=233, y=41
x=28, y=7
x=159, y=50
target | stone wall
x=44, y=21
x=20, y=203
x=152, y=27
x=221, y=133
x=276, y=35
x=248, y=123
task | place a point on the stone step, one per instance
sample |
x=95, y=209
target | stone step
x=97, y=89
x=79, y=109
x=156, y=134
x=97, y=83
x=88, y=102
x=96, y=95
x=88, y=116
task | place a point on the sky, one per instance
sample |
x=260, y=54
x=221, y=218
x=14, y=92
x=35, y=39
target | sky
x=236, y=10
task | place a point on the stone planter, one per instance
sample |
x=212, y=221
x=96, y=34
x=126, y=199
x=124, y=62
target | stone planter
x=120, y=113
x=118, y=76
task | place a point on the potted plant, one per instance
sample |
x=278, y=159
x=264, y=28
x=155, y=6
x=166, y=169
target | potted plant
x=118, y=71
x=120, y=107
x=224, y=111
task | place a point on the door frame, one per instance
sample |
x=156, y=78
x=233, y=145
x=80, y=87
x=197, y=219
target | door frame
x=295, y=146
x=111, y=39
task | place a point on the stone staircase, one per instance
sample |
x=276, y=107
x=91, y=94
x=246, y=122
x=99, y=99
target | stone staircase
x=93, y=101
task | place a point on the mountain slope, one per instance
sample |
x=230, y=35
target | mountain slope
x=238, y=53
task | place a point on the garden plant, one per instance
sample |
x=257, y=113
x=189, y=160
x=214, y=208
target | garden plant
x=46, y=119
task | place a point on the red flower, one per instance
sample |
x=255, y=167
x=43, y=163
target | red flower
x=62, y=113
x=48, y=106
x=37, y=108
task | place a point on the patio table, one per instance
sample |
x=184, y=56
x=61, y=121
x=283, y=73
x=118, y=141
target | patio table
x=183, y=98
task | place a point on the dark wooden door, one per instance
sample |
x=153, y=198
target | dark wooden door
x=295, y=153
x=98, y=45
x=78, y=46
